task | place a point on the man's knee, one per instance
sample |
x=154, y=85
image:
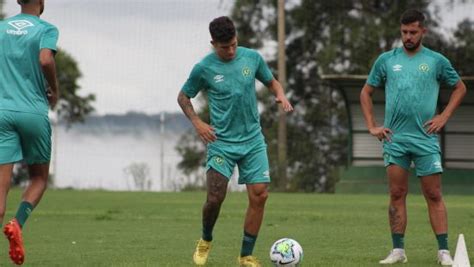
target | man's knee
x=259, y=198
x=216, y=198
x=433, y=195
x=398, y=193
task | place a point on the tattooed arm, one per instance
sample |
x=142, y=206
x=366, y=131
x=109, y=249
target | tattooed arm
x=204, y=130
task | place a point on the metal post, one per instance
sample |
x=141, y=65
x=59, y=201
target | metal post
x=282, y=149
x=162, y=153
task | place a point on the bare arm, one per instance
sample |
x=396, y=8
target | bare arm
x=368, y=109
x=277, y=90
x=48, y=66
x=439, y=121
x=204, y=130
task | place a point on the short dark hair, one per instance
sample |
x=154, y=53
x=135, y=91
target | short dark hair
x=222, y=29
x=412, y=15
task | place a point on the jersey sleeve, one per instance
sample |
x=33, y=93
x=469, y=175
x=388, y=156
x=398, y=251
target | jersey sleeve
x=195, y=82
x=49, y=39
x=446, y=73
x=263, y=74
x=378, y=73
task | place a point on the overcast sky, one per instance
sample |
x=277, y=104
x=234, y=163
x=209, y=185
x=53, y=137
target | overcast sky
x=136, y=54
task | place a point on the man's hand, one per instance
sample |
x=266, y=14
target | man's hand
x=285, y=104
x=205, y=131
x=381, y=133
x=52, y=98
x=436, y=124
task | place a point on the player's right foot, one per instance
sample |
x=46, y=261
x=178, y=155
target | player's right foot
x=396, y=255
x=12, y=231
x=249, y=261
x=444, y=258
x=202, y=252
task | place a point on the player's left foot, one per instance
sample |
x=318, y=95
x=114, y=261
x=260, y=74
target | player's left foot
x=249, y=261
x=12, y=231
x=444, y=258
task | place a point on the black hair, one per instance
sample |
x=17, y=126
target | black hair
x=412, y=15
x=222, y=29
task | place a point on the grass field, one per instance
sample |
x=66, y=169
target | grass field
x=95, y=228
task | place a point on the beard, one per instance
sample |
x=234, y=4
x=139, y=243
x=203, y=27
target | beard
x=410, y=46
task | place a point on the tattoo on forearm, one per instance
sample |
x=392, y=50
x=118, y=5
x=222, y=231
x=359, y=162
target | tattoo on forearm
x=186, y=105
x=396, y=223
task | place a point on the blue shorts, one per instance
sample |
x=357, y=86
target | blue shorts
x=250, y=157
x=24, y=136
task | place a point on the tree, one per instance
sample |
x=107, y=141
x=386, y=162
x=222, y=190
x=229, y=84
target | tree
x=72, y=107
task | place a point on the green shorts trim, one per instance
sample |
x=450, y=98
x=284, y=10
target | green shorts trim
x=24, y=136
x=424, y=165
x=250, y=157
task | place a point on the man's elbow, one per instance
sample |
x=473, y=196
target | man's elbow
x=47, y=62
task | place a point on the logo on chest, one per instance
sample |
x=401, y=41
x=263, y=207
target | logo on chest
x=246, y=71
x=218, y=78
x=397, y=67
x=424, y=67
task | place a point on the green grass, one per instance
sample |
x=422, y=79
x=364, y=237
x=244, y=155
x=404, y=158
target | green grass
x=94, y=228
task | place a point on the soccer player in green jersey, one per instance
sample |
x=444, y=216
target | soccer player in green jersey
x=27, y=48
x=234, y=135
x=412, y=76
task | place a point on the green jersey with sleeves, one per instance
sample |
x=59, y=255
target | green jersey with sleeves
x=22, y=84
x=411, y=94
x=230, y=87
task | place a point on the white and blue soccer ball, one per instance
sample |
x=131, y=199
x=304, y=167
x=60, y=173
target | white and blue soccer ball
x=286, y=252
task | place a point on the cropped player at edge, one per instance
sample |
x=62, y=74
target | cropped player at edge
x=412, y=76
x=27, y=49
x=235, y=136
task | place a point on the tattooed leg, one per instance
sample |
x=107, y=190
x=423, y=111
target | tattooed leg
x=398, y=185
x=216, y=192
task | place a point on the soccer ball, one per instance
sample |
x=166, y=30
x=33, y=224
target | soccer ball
x=286, y=252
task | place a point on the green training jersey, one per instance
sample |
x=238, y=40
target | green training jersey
x=411, y=94
x=22, y=84
x=230, y=88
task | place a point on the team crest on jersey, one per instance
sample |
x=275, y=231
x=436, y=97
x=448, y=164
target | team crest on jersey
x=20, y=26
x=246, y=71
x=424, y=67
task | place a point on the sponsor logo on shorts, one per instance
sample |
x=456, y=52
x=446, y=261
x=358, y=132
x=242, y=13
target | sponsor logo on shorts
x=266, y=174
x=20, y=26
x=218, y=160
x=437, y=164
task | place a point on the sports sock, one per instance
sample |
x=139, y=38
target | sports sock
x=24, y=210
x=248, y=243
x=207, y=233
x=442, y=241
x=398, y=240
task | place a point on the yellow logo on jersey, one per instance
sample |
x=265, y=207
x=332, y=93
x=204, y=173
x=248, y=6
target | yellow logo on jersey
x=424, y=67
x=246, y=71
